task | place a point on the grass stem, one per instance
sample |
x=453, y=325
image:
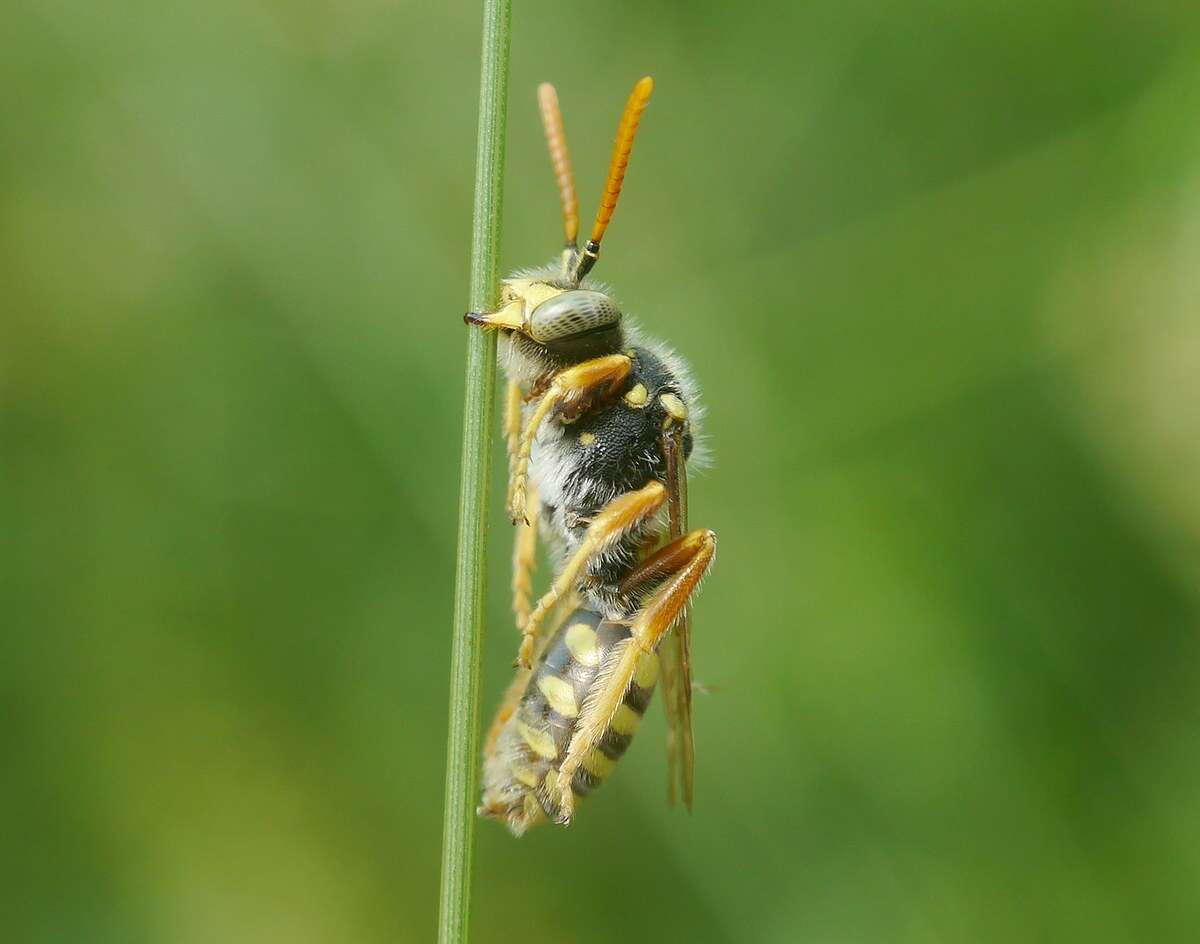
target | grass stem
x=462, y=749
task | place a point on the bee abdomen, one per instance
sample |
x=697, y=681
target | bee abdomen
x=599, y=763
x=537, y=737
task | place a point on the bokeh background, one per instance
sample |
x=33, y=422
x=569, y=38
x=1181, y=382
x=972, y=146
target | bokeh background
x=937, y=266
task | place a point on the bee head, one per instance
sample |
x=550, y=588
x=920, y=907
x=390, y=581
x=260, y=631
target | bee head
x=548, y=324
x=550, y=317
x=550, y=314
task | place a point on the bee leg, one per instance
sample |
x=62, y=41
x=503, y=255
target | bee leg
x=617, y=517
x=573, y=392
x=516, y=688
x=667, y=561
x=677, y=568
x=525, y=540
x=524, y=562
x=508, y=704
x=675, y=660
x=512, y=432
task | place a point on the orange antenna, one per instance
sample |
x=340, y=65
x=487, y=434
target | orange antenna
x=622, y=148
x=560, y=159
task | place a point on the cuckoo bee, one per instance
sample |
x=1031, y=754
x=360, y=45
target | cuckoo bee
x=601, y=425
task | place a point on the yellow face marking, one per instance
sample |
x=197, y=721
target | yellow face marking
x=519, y=297
x=598, y=764
x=586, y=439
x=560, y=694
x=646, y=673
x=581, y=640
x=674, y=406
x=626, y=720
x=532, y=292
x=636, y=397
x=540, y=742
x=524, y=774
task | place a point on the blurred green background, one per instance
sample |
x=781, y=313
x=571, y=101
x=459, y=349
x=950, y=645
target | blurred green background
x=937, y=267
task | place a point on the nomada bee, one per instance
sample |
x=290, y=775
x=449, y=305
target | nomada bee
x=601, y=424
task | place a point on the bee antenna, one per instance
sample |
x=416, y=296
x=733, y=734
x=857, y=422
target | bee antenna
x=622, y=148
x=560, y=160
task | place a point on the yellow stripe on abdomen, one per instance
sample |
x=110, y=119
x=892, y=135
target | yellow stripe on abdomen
x=539, y=741
x=581, y=643
x=560, y=694
x=625, y=721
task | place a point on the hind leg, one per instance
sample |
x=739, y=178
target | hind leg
x=678, y=567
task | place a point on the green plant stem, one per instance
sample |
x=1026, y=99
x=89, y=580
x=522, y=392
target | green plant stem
x=462, y=748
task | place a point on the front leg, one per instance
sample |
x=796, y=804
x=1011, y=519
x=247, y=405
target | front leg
x=512, y=431
x=572, y=392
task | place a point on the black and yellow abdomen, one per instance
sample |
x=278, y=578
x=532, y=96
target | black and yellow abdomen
x=521, y=768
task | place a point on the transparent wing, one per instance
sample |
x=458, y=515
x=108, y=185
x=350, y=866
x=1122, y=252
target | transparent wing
x=675, y=653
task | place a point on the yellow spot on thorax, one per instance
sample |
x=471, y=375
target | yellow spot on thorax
x=626, y=720
x=674, y=407
x=636, y=397
x=540, y=742
x=560, y=694
x=586, y=439
x=581, y=640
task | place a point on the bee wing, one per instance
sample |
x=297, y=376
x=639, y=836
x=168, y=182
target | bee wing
x=675, y=654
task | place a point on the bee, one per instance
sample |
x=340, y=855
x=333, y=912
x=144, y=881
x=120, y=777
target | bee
x=601, y=424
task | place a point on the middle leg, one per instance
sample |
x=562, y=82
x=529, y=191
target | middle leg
x=525, y=562
x=616, y=519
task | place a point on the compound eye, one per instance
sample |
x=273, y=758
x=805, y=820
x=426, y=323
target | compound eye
x=573, y=312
